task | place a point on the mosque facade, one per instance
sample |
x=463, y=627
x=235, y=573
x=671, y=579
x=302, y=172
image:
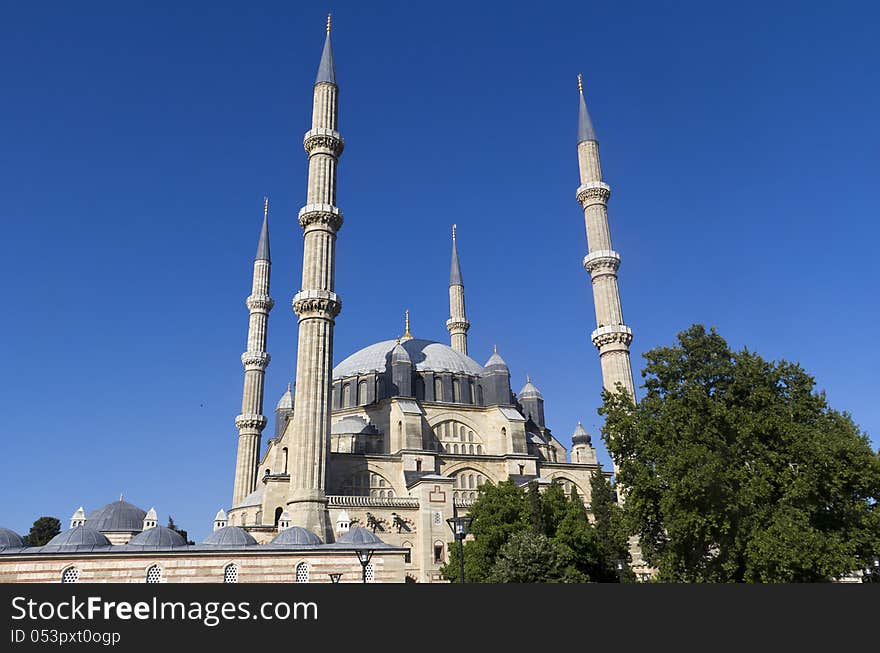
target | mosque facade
x=375, y=452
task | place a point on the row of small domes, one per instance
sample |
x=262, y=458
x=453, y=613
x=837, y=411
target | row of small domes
x=160, y=536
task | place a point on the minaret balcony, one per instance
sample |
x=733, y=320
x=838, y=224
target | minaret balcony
x=612, y=334
x=602, y=262
x=323, y=140
x=593, y=192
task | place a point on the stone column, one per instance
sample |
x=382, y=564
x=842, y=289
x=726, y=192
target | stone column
x=316, y=306
x=251, y=421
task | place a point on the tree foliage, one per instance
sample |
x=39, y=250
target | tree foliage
x=736, y=470
x=179, y=531
x=526, y=536
x=42, y=530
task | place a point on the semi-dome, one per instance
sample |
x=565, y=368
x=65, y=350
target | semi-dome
x=158, y=536
x=79, y=536
x=425, y=355
x=230, y=536
x=360, y=537
x=117, y=516
x=10, y=539
x=353, y=424
x=255, y=498
x=297, y=536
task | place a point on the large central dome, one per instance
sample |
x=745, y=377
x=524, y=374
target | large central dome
x=426, y=355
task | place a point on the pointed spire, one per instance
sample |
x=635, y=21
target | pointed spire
x=455, y=270
x=263, y=244
x=585, y=125
x=407, y=335
x=326, y=69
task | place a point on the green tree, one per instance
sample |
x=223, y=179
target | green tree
x=612, y=530
x=179, y=531
x=42, y=530
x=738, y=471
x=499, y=511
x=577, y=539
x=530, y=557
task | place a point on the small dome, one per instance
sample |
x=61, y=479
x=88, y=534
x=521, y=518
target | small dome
x=353, y=424
x=580, y=435
x=529, y=391
x=84, y=536
x=158, y=536
x=286, y=401
x=10, y=539
x=230, y=536
x=117, y=516
x=255, y=498
x=495, y=362
x=399, y=355
x=360, y=537
x=297, y=536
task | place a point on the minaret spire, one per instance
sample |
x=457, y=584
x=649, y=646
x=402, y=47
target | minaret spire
x=406, y=335
x=457, y=324
x=251, y=421
x=611, y=337
x=316, y=306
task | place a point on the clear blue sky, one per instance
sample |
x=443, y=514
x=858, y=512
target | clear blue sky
x=137, y=140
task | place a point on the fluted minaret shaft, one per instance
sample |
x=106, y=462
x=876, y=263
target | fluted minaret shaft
x=611, y=337
x=316, y=306
x=457, y=324
x=251, y=421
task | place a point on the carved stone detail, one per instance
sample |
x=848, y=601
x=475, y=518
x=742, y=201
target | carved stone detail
x=612, y=334
x=457, y=325
x=602, y=262
x=317, y=303
x=323, y=141
x=594, y=192
x=250, y=422
x=324, y=216
x=255, y=360
x=260, y=303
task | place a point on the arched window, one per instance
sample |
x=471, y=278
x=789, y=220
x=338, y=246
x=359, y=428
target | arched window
x=366, y=484
x=456, y=390
x=302, y=572
x=471, y=390
x=480, y=394
x=479, y=449
x=454, y=435
x=70, y=575
x=438, y=389
x=419, y=387
x=362, y=393
x=346, y=395
x=284, y=459
x=230, y=574
x=278, y=511
x=467, y=479
x=369, y=573
x=154, y=574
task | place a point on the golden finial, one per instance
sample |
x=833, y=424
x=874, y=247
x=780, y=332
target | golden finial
x=407, y=335
x=453, y=232
x=265, y=206
x=328, y=23
x=580, y=83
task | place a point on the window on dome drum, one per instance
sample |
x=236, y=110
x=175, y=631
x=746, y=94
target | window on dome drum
x=438, y=389
x=457, y=438
x=370, y=573
x=302, y=572
x=362, y=393
x=154, y=574
x=346, y=395
x=466, y=483
x=230, y=574
x=367, y=484
x=70, y=575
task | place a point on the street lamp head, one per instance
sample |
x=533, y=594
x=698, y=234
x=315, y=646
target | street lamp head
x=364, y=556
x=620, y=565
x=334, y=578
x=460, y=526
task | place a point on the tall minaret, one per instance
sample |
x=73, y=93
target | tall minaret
x=317, y=306
x=612, y=337
x=255, y=360
x=457, y=324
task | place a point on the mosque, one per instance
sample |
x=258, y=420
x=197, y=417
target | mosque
x=373, y=454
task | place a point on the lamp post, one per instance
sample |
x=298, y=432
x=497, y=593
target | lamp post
x=334, y=578
x=460, y=527
x=871, y=573
x=364, y=556
x=619, y=565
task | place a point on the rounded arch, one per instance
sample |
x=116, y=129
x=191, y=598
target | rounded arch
x=230, y=573
x=456, y=435
x=473, y=465
x=302, y=571
x=154, y=574
x=278, y=512
x=367, y=482
x=70, y=574
x=567, y=483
